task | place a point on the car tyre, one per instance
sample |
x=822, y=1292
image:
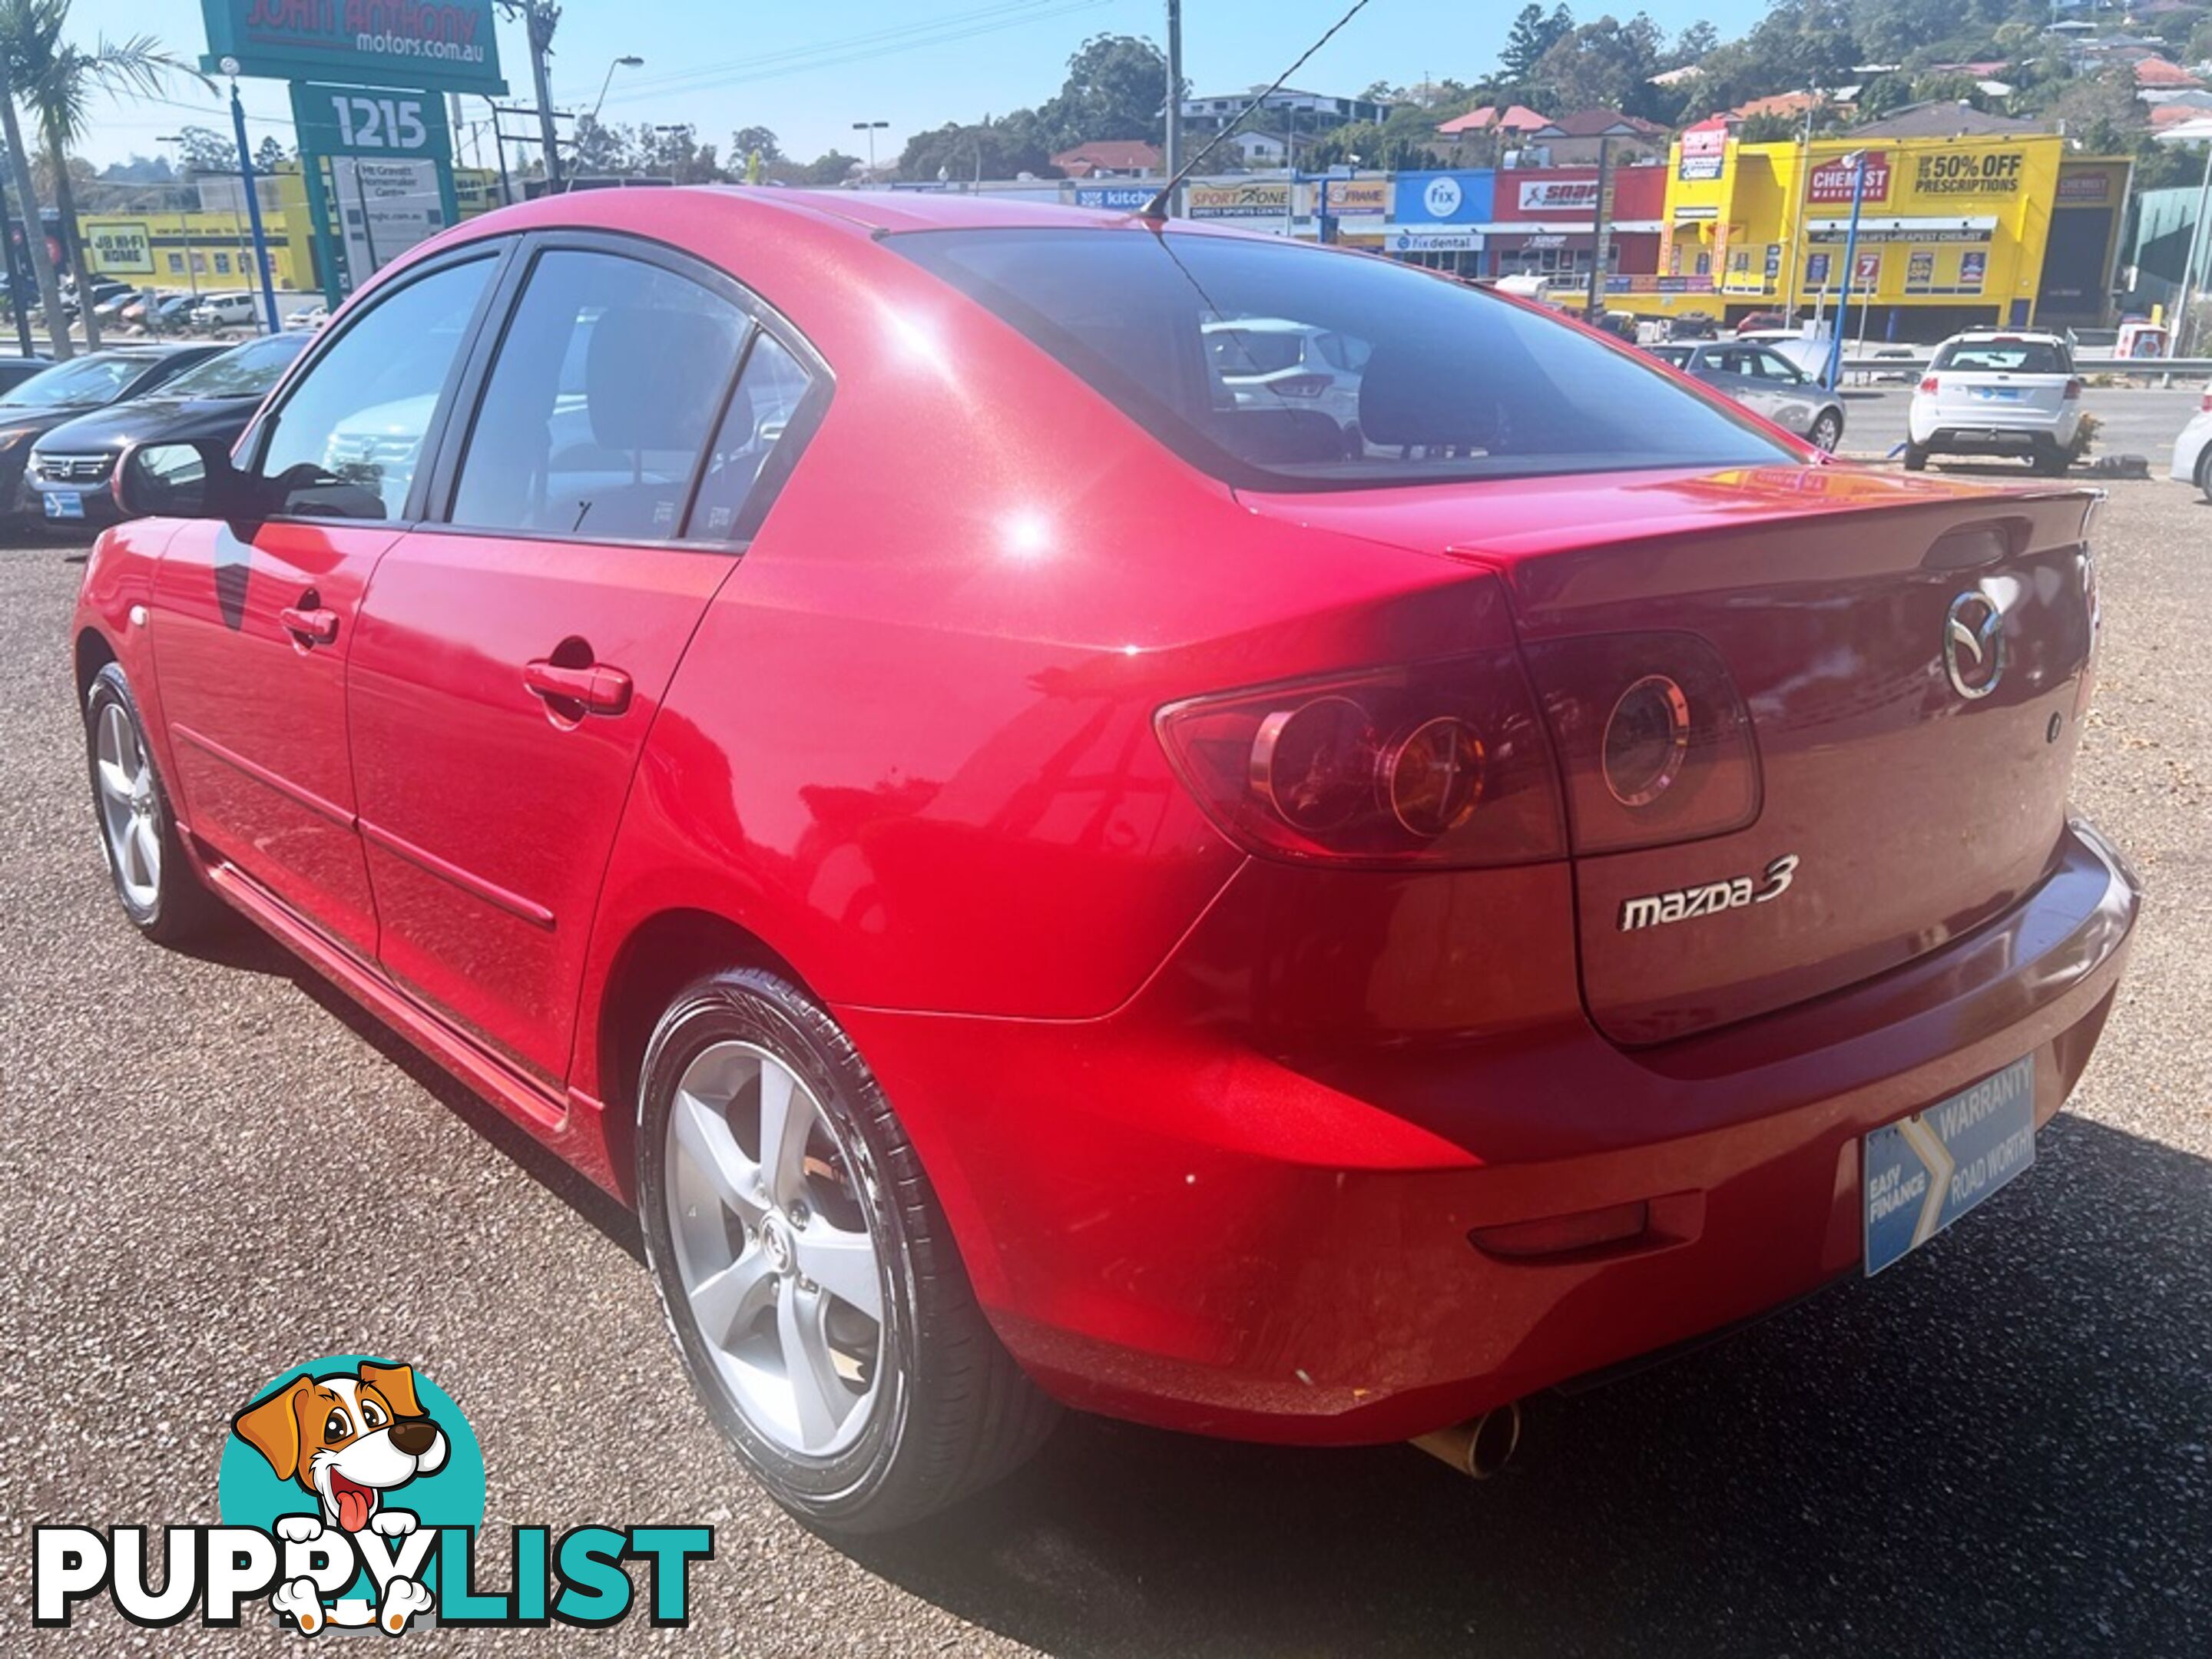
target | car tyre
x=1916, y=457
x=1827, y=431
x=2050, y=461
x=942, y=1409
x=2204, y=473
x=155, y=881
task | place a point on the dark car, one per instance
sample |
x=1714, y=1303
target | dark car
x=69, y=467
x=30, y=411
x=14, y=371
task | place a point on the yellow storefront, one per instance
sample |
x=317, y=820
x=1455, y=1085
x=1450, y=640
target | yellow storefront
x=1952, y=232
x=209, y=246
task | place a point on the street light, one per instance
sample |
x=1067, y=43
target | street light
x=191, y=253
x=871, y=129
x=1857, y=161
x=627, y=61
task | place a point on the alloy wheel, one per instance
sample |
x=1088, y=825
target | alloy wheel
x=130, y=810
x=776, y=1249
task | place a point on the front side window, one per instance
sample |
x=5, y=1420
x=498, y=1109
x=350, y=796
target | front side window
x=1452, y=382
x=348, y=440
x=605, y=394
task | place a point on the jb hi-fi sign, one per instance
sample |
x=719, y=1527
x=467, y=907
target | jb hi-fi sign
x=1832, y=180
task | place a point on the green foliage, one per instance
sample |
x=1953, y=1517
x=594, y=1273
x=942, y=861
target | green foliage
x=1116, y=88
x=1535, y=33
x=1606, y=64
x=747, y=141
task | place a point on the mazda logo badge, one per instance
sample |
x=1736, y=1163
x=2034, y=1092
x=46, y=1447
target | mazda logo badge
x=1974, y=644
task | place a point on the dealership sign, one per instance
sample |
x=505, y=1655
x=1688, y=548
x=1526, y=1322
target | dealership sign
x=1832, y=180
x=444, y=45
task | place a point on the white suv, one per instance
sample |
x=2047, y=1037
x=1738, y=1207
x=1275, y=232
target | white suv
x=1994, y=391
x=2192, y=450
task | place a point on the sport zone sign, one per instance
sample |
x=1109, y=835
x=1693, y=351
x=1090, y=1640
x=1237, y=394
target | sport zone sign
x=442, y=46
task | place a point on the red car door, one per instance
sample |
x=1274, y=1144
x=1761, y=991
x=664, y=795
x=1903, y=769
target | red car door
x=509, y=660
x=252, y=626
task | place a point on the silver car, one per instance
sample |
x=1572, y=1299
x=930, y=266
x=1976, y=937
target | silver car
x=1764, y=381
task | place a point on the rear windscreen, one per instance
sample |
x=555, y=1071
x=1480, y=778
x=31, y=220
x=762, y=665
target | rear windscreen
x=2002, y=357
x=1441, y=381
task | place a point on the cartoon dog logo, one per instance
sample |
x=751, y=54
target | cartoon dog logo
x=348, y=1438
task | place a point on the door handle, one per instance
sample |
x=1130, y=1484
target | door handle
x=310, y=626
x=598, y=690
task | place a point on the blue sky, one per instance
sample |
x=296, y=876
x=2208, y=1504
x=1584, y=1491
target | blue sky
x=809, y=72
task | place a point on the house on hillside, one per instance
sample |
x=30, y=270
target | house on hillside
x=1574, y=140
x=1944, y=117
x=1109, y=158
x=1513, y=123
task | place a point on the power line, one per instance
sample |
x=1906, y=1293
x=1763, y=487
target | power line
x=853, y=56
x=897, y=33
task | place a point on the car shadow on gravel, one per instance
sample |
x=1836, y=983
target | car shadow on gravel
x=1998, y=1446
x=241, y=947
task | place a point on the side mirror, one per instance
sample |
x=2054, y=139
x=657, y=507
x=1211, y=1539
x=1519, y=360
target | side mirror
x=190, y=480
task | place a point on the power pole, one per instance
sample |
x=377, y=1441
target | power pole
x=1172, y=151
x=540, y=18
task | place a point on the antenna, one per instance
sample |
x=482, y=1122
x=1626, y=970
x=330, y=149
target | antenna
x=1157, y=207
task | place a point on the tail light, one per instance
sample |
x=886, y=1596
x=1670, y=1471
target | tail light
x=2073, y=388
x=1439, y=765
x=1302, y=385
x=1654, y=743
x=2206, y=406
x=1931, y=385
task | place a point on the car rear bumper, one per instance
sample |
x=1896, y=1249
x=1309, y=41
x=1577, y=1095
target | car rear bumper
x=1166, y=1224
x=1996, y=440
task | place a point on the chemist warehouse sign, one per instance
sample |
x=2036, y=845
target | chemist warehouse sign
x=439, y=46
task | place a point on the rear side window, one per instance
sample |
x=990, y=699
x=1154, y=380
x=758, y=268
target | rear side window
x=1451, y=383
x=606, y=389
x=762, y=412
x=2004, y=357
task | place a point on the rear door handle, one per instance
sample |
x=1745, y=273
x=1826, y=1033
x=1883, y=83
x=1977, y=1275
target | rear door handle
x=312, y=626
x=598, y=690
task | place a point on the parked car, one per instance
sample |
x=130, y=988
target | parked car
x=71, y=466
x=1997, y=393
x=1693, y=326
x=1267, y=362
x=1761, y=379
x=1810, y=352
x=1043, y=883
x=110, y=309
x=309, y=317
x=14, y=370
x=1760, y=322
x=2192, y=449
x=42, y=401
x=222, y=310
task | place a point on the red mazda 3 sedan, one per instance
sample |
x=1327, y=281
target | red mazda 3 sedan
x=1053, y=861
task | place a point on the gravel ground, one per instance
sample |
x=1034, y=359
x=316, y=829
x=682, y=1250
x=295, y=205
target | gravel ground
x=211, y=1167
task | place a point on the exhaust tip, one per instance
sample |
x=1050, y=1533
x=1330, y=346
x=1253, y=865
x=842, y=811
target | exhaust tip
x=1479, y=1447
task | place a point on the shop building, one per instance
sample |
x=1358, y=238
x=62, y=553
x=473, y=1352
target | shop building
x=2011, y=229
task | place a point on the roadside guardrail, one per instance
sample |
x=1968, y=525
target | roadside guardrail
x=2166, y=370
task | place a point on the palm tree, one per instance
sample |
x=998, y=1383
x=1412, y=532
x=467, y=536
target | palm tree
x=57, y=82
